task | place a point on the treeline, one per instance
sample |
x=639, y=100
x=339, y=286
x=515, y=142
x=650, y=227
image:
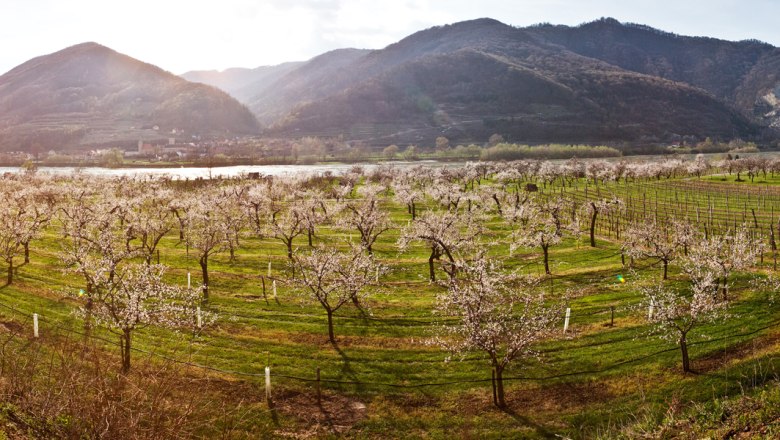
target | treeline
x=552, y=151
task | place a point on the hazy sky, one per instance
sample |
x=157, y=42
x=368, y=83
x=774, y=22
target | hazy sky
x=182, y=35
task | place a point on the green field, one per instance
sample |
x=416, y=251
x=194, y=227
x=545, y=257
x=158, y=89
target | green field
x=605, y=377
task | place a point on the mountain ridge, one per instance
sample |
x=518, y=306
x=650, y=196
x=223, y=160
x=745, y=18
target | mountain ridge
x=602, y=81
x=592, y=113
x=608, y=68
x=88, y=94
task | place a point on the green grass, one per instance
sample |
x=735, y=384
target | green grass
x=579, y=387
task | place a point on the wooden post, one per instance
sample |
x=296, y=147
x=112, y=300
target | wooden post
x=35, y=325
x=274, y=288
x=269, y=268
x=566, y=320
x=268, y=386
x=200, y=319
x=189, y=280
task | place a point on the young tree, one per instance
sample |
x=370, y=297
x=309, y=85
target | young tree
x=595, y=207
x=498, y=313
x=24, y=211
x=408, y=187
x=137, y=297
x=724, y=254
x=41, y=198
x=315, y=211
x=276, y=210
x=447, y=194
x=13, y=230
x=446, y=232
x=651, y=240
x=676, y=312
x=332, y=278
x=206, y=232
x=149, y=219
x=95, y=242
x=22, y=216
x=541, y=223
x=228, y=205
x=366, y=216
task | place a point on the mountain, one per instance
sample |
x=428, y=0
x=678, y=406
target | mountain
x=602, y=81
x=745, y=74
x=316, y=79
x=241, y=83
x=91, y=95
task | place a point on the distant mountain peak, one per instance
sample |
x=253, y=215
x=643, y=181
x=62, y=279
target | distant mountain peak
x=477, y=22
x=86, y=47
x=605, y=21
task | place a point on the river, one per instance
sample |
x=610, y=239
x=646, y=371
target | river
x=286, y=170
x=231, y=171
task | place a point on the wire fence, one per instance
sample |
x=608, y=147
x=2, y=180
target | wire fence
x=24, y=316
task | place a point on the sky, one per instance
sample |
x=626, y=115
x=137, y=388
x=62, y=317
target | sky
x=184, y=35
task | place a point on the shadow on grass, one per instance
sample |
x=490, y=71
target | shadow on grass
x=346, y=368
x=527, y=422
x=272, y=410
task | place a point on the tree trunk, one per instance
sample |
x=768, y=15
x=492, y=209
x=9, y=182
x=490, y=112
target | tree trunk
x=430, y=266
x=124, y=343
x=289, y=250
x=684, y=349
x=288, y=243
x=331, y=335
x=500, y=387
x=309, y=234
x=10, y=278
x=204, y=267
x=498, y=204
x=666, y=269
x=26, y=251
x=414, y=211
x=546, y=259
